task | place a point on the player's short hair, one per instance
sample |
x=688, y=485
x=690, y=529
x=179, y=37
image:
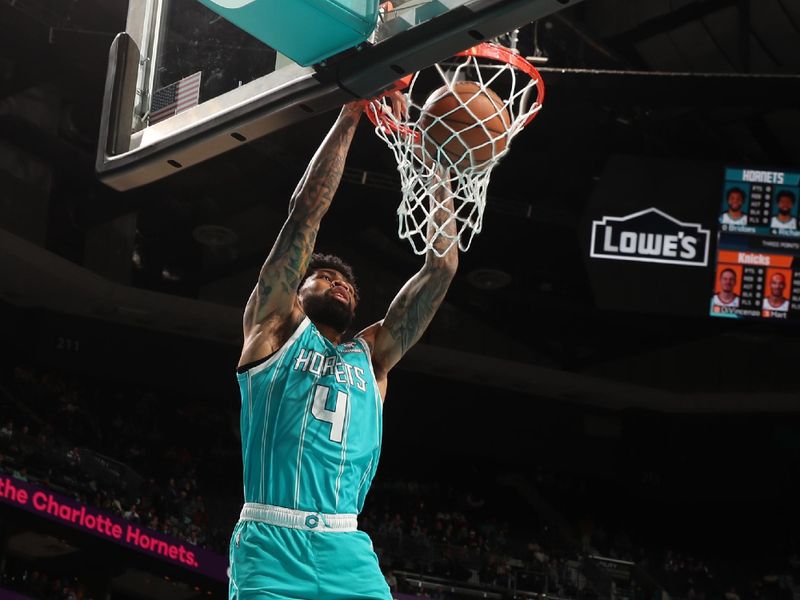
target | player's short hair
x=735, y=190
x=329, y=261
x=721, y=273
x=786, y=194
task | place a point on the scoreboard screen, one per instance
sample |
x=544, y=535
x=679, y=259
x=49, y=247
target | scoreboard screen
x=758, y=251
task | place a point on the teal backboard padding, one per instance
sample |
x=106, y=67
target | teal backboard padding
x=307, y=31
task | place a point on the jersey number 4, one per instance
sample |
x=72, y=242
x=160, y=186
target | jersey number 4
x=336, y=416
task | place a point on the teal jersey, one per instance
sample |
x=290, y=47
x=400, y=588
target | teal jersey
x=311, y=424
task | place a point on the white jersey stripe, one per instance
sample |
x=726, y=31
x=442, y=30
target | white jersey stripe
x=249, y=418
x=249, y=399
x=364, y=477
x=278, y=356
x=365, y=345
x=344, y=454
x=378, y=397
x=303, y=427
x=266, y=427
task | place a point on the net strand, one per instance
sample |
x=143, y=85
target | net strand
x=429, y=171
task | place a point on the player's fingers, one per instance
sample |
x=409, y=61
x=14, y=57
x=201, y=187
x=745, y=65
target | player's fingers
x=356, y=106
x=399, y=104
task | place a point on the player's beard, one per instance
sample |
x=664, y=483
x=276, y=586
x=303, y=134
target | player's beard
x=329, y=311
x=785, y=211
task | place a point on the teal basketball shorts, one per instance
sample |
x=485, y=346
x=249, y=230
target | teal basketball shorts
x=282, y=554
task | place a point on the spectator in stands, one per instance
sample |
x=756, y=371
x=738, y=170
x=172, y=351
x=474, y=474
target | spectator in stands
x=131, y=514
x=74, y=456
x=192, y=538
x=391, y=580
x=731, y=594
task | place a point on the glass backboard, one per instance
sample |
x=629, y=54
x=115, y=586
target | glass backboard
x=184, y=83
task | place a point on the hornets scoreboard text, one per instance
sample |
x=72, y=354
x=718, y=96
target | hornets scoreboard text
x=758, y=254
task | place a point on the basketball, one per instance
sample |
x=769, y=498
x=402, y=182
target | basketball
x=466, y=122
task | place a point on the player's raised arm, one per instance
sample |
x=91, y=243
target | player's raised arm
x=414, y=306
x=272, y=304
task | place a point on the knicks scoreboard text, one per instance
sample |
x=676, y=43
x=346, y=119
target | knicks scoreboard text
x=758, y=254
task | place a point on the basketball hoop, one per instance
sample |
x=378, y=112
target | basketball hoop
x=424, y=157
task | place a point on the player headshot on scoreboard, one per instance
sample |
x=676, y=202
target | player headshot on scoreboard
x=778, y=290
x=785, y=216
x=728, y=286
x=735, y=213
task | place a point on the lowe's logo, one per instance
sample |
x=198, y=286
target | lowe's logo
x=650, y=236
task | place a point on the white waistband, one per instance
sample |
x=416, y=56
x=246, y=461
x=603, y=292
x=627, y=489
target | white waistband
x=297, y=519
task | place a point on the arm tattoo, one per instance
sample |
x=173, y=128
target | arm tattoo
x=289, y=258
x=319, y=183
x=443, y=222
x=413, y=309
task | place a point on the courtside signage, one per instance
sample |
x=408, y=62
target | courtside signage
x=63, y=510
x=652, y=236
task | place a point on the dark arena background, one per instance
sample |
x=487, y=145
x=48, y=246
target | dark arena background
x=581, y=420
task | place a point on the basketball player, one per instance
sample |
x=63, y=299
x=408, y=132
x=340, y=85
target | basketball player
x=727, y=285
x=734, y=214
x=776, y=300
x=784, y=218
x=311, y=415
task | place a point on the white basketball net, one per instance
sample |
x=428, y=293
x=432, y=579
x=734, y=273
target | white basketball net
x=427, y=175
